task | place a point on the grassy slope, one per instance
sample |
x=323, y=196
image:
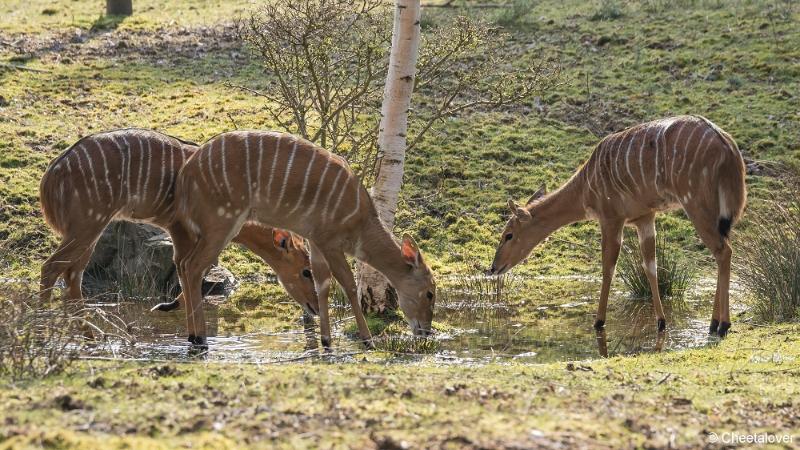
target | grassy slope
x=736, y=65
x=650, y=400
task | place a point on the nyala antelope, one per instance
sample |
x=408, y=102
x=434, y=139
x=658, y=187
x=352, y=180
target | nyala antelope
x=684, y=161
x=130, y=175
x=287, y=182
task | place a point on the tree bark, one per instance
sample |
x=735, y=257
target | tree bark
x=374, y=290
x=119, y=7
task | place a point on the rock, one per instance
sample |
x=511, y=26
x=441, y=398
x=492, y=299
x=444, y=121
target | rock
x=135, y=260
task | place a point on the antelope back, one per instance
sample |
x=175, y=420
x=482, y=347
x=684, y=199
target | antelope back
x=660, y=163
x=279, y=179
x=125, y=174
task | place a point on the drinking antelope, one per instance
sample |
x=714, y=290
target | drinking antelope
x=684, y=161
x=130, y=174
x=288, y=182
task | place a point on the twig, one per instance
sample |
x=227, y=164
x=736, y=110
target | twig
x=230, y=117
x=31, y=69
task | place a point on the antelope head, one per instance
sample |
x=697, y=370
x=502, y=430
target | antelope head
x=295, y=271
x=522, y=233
x=417, y=290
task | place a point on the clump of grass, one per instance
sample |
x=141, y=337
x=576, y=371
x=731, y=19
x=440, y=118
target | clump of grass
x=40, y=338
x=768, y=258
x=406, y=344
x=475, y=287
x=608, y=10
x=674, y=275
x=514, y=12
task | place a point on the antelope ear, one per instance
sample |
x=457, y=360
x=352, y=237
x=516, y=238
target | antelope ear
x=298, y=242
x=538, y=194
x=410, y=252
x=282, y=239
x=512, y=206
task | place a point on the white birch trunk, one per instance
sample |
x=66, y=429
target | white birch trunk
x=372, y=286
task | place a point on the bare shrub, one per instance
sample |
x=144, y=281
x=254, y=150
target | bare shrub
x=39, y=338
x=326, y=62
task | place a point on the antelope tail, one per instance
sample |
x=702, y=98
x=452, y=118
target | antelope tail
x=55, y=196
x=732, y=192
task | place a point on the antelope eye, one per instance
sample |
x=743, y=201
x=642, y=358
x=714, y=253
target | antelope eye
x=430, y=295
x=306, y=273
x=509, y=236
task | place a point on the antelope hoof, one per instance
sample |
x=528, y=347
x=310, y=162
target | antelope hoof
x=326, y=343
x=198, y=341
x=599, y=325
x=723, y=329
x=168, y=306
x=662, y=325
x=368, y=344
x=712, y=329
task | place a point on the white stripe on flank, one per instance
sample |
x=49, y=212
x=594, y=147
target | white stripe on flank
x=661, y=136
x=588, y=182
x=686, y=149
x=358, y=204
x=330, y=193
x=149, y=169
x=287, y=173
x=319, y=188
x=141, y=167
x=105, y=167
x=339, y=199
x=659, y=133
x=121, y=167
x=675, y=151
x=641, y=155
x=633, y=183
x=91, y=171
x=610, y=168
x=619, y=184
x=127, y=170
x=698, y=150
x=617, y=164
x=249, y=188
x=161, y=194
x=598, y=170
x=225, y=169
x=211, y=166
x=305, y=182
x=83, y=174
x=274, y=164
x=258, y=165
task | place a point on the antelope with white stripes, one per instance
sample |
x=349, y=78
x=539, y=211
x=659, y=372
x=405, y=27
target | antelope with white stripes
x=130, y=175
x=684, y=161
x=287, y=182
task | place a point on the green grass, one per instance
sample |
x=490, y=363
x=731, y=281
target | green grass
x=675, y=274
x=736, y=64
x=644, y=401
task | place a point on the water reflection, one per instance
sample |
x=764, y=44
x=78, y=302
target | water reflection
x=527, y=328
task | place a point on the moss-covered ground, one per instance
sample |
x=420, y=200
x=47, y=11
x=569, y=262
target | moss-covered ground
x=669, y=400
x=66, y=72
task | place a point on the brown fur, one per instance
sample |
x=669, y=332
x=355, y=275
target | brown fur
x=684, y=161
x=288, y=182
x=130, y=174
